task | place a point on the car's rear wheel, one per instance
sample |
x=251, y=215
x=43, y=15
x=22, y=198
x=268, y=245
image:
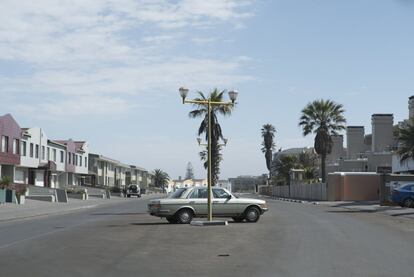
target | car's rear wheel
x=408, y=203
x=252, y=214
x=171, y=219
x=184, y=216
x=238, y=219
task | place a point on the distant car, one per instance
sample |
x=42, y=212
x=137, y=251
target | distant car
x=133, y=190
x=186, y=203
x=404, y=195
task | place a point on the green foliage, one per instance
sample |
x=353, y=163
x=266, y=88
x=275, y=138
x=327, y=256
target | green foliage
x=323, y=118
x=216, y=132
x=74, y=190
x=268, y=134
x=189, y=172
x=115, y=189
x=5, y=182
x=160, y=179
x=406, y=142
x=283, y=166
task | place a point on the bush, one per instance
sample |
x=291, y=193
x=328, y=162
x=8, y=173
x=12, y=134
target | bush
x=115, y=189
x=76, y=190
x=5, y=182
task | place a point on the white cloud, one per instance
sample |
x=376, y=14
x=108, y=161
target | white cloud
x=109, y=49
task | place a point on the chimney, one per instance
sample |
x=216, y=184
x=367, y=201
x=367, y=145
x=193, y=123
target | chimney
x=337, y=148
x=382, y=132
x=355, y=141
x=411, y=107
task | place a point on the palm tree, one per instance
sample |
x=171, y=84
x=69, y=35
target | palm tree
x=283, y=167
x=307, y=161
x=161, y=179
x=216, y=134
x=323, y=118
x=406, y=142
x=268, y=134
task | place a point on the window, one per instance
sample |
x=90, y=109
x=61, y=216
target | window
x=80, y=160
x=48, y=153
x=43, y=153
x=73, y=158
x=4, y=144
x=69, y=158
x=54, y=155
x=16, y=146
x=199, y=193
x=37, y=151
x=220, y=193
x=23, y=151
x=62, y=156
x=31, y=150
x=177, y=194
x=86, y=162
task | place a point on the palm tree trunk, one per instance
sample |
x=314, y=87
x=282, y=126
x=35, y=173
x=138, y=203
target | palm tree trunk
x=323, y=167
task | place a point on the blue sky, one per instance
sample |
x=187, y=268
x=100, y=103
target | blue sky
x=108, y=71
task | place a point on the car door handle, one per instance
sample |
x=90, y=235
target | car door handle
x=192, y=202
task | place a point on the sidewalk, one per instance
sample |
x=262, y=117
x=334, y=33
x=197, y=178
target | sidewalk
x=356, y=206
x=370, y=207
x=34, y=208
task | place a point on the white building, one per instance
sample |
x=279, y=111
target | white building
x=42, y=162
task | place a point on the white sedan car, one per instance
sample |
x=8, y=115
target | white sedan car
x=186, y=203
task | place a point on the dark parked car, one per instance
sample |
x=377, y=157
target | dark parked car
x=404, y=195
x=133, y=190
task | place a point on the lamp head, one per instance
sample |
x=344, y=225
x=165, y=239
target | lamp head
x=233, y=95
x=225, y=141
x=183, y=92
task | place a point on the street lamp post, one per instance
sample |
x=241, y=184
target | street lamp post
x=233, y=96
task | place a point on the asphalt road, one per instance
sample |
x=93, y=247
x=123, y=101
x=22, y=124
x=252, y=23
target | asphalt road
x=292, y=239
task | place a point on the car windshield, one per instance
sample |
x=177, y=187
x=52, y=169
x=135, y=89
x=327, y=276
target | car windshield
x=177, y=194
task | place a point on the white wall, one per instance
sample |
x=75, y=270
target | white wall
x=84, y=168
x=37, y=138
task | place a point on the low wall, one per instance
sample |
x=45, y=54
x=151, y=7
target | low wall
x=314, y=192
x=353, y=186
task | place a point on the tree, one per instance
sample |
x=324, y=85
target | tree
x=216, y=134
x=406, y=142
x=189, y=173
x=283, y=166
x=307, y=161
x=161, y=179
x=323, y=118
x=268, y=134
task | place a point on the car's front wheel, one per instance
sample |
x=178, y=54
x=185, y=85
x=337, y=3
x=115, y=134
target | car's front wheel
x=184, y=216
x=252, y=214
x=171, y=219
x=408, y=203
x=238, y=219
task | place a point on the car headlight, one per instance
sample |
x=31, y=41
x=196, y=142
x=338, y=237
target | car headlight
x=264, y=206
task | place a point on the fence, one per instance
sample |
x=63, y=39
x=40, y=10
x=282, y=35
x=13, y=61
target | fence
x=315, y=192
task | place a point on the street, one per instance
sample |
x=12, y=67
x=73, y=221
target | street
x=292, y=239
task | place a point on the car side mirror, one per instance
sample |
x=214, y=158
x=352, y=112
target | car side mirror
x=229, y=197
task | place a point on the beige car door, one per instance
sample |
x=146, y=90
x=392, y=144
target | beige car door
x=223, y=203
x=198, y=200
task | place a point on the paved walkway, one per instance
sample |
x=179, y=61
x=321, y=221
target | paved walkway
x=358, y=206
x=370, y=207
x=34, y=208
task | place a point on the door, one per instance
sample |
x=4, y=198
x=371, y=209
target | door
x=198, y=200
x=224, y=204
